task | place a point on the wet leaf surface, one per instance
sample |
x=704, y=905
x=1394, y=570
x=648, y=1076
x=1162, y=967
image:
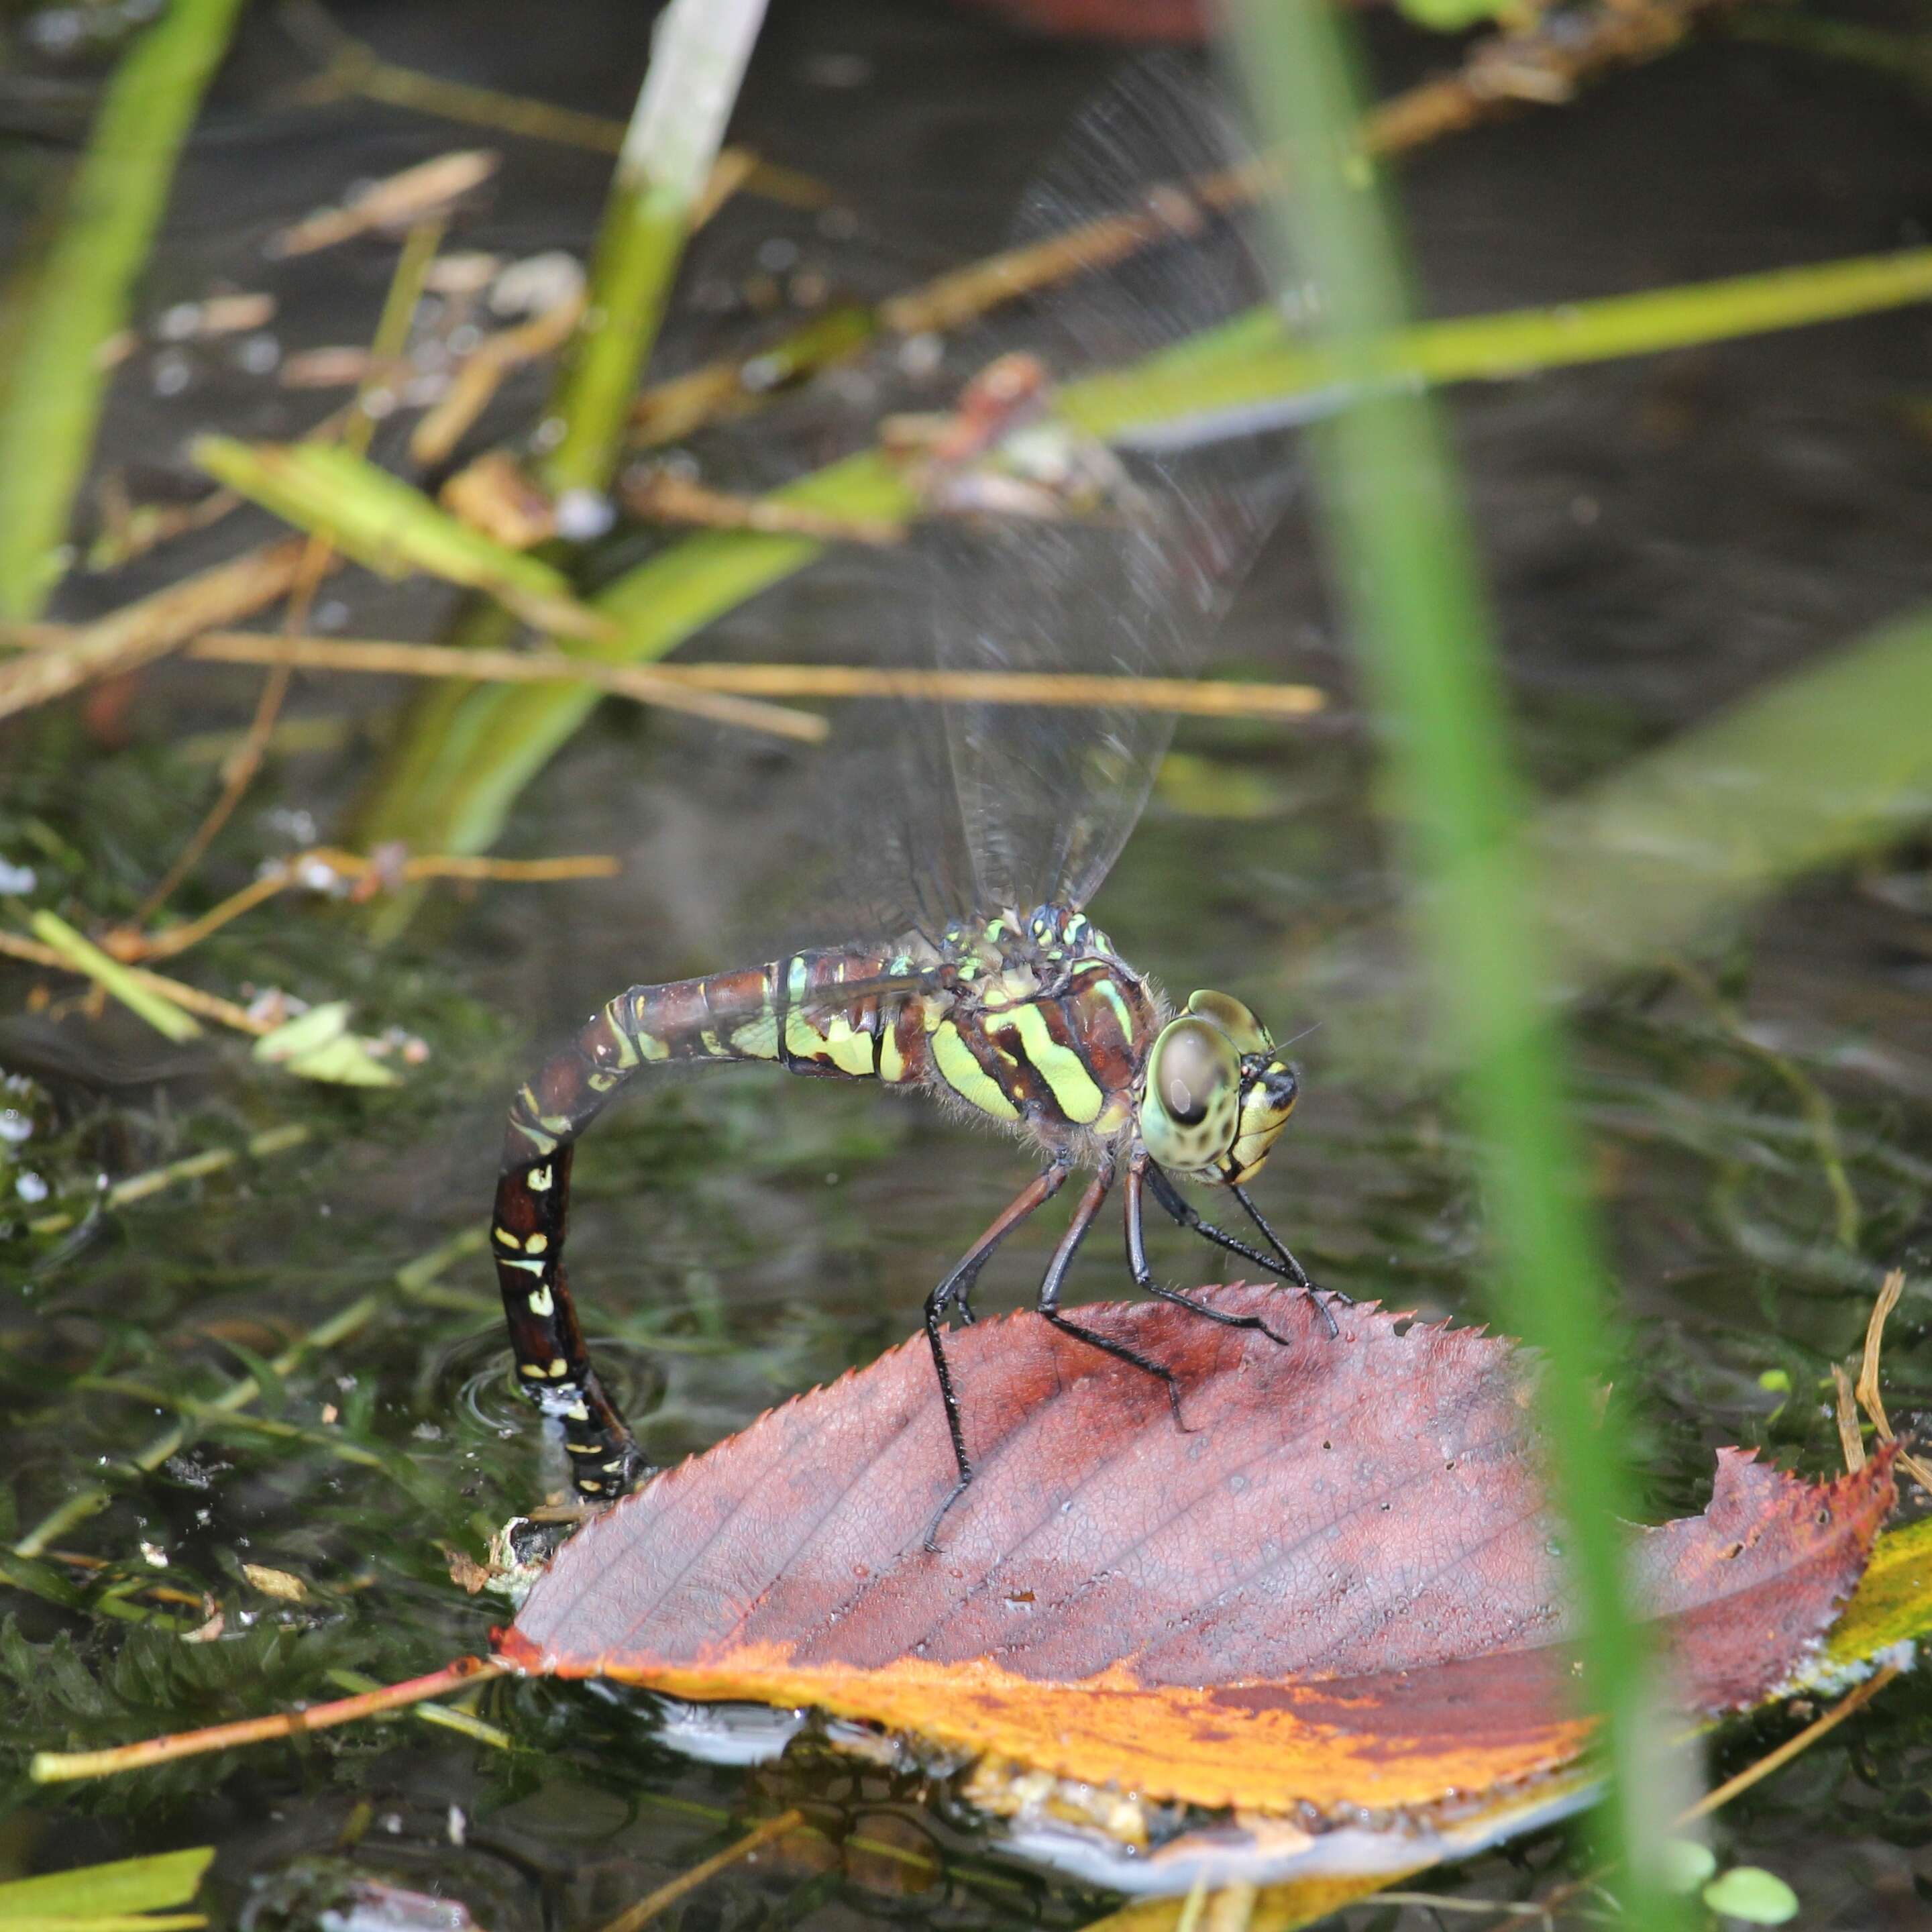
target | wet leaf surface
x=1338, y=1586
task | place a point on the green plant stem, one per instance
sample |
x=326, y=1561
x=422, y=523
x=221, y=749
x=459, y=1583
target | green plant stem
x=1405, y=561
x=697, y=58
x=77, y=296
x=1251, y=362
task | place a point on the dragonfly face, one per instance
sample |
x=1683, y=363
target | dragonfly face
x=1217, y=1094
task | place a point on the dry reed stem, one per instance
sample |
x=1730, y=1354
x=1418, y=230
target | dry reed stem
x=733, y=168
x=657, y=496
x=128, y=945
x=647, y=1908
x=1850, y=1440
x=392, y=328
x=417, y=194
x=55, y=1767
x=482, y=373
x=1867, y=1388
x=239, y=770
x=1188, y=696
x=1855, y=1700
x=190, y=999
x=64, y=657
x=355, y=67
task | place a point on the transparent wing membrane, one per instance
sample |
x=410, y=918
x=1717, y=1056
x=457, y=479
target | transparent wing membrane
x=1132, y=582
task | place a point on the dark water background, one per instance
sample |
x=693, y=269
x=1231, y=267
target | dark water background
x=1662, y=537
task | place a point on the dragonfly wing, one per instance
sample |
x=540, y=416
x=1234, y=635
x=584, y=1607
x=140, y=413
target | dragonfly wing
x=1134, y=585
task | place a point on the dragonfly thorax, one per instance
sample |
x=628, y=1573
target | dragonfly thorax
x=1044, y=1029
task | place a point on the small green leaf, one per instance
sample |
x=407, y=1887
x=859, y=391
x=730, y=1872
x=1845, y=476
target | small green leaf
x=1757, y=1897
x=1777, y=1381
x=345, y=1062
x=318, y=1027
x=318, y=1046
x=1683, y=1864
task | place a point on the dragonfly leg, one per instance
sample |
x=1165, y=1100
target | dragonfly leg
x=1084, y=1215
x=959, y=1283
x=1143, y=1174
x=1297, y=1273
x=1171, y=1198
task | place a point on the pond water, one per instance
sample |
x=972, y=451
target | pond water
x=1662, y=537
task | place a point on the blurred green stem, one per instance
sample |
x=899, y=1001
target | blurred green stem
x=1407, y=568
x=698, y=55
x=66, y=306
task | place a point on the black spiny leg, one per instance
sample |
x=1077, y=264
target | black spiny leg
x=1297, y=1273
x=1048, y=1302
x=1171, y=1198
x=956, y=1285
x=1140, y=1173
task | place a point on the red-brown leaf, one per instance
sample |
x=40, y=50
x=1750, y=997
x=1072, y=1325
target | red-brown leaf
x=1339, y=1587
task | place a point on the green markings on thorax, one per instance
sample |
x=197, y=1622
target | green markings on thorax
x=960, y=1068
x=1075, y=1090
x=1019, y=1051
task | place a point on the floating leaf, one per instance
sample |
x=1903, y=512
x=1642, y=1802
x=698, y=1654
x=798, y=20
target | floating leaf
x=1686, y=1864
x=1338, y=1588
x=318, y=1046
x=281, y=1584
x=1757, y=1897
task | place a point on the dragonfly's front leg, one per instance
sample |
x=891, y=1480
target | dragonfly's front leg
x=1171, y=1198
x=954, y=1289
x=1141, y=1169
x=527, y=1236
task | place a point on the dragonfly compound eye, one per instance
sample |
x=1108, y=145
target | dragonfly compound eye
x=1192, y=1106
x=1234, y=1019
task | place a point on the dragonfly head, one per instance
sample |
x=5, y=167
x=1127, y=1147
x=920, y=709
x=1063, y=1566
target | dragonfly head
x=1218, y=1093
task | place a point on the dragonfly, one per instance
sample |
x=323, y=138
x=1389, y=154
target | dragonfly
x=997, y=995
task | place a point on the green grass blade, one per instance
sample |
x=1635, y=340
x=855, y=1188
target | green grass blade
x=127, y=1885
x=77, y=295
x=1252, y=361
x=109, y=974
x=1406, y=564
x=386, y=524
x=1828, y=763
